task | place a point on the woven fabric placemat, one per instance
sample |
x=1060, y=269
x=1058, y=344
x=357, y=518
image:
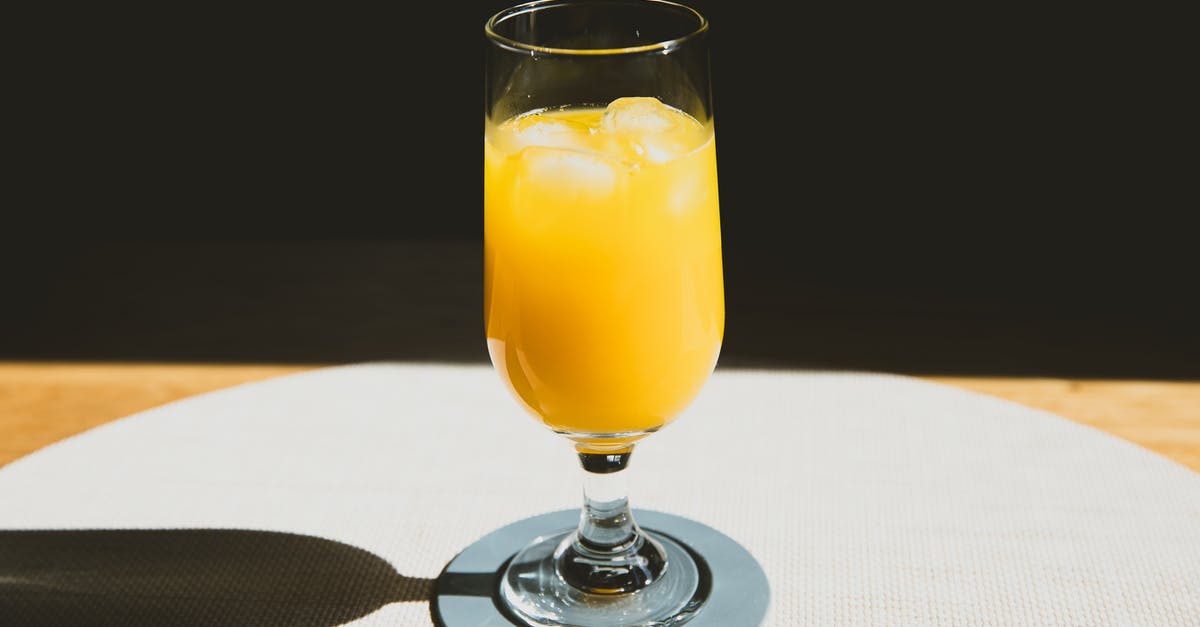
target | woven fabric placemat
x=337, y=495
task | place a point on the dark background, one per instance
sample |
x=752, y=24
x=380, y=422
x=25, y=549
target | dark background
x=984, y=190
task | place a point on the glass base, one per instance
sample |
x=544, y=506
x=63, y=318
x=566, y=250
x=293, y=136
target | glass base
x=536, y=594
x=733, y=585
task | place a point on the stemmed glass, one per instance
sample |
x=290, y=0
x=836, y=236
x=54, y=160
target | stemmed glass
x=604, y=299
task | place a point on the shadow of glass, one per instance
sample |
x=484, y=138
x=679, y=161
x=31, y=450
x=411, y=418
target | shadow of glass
x=187, y=577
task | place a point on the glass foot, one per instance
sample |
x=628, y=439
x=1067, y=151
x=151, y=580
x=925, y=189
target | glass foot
x=732, y=585
x=535, y=593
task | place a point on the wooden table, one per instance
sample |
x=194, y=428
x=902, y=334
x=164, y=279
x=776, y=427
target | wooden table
x=41, y=403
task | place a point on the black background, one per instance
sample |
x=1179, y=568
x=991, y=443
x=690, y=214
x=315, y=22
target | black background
x=984, y=190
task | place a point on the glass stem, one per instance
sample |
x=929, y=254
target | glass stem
x=608, y=554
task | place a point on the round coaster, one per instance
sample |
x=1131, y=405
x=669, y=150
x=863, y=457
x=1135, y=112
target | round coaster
x=467, y=592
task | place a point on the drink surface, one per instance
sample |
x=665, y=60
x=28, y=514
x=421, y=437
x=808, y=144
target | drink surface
x=603, y=296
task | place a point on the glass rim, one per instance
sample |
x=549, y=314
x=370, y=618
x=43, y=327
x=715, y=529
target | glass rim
x=536, y=5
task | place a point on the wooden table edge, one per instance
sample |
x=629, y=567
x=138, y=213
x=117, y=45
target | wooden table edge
x=45, y=402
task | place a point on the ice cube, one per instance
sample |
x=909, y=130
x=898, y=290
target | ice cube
x=567, y=174
x=659, y=149
x=646, y=130
x=689, y=193
x=640, y=115
x=540, y=130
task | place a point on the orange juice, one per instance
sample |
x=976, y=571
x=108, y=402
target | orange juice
x=604, y=301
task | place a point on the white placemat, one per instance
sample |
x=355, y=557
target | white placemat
x=868, y=499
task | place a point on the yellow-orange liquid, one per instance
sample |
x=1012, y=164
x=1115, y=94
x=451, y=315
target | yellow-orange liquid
x=604, y=300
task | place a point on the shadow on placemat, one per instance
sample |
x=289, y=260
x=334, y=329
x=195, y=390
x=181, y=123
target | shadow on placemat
x=186, y=577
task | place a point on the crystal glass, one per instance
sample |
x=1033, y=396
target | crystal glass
x=604, y=299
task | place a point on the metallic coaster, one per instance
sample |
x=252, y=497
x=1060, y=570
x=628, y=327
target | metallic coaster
x=466, y=593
